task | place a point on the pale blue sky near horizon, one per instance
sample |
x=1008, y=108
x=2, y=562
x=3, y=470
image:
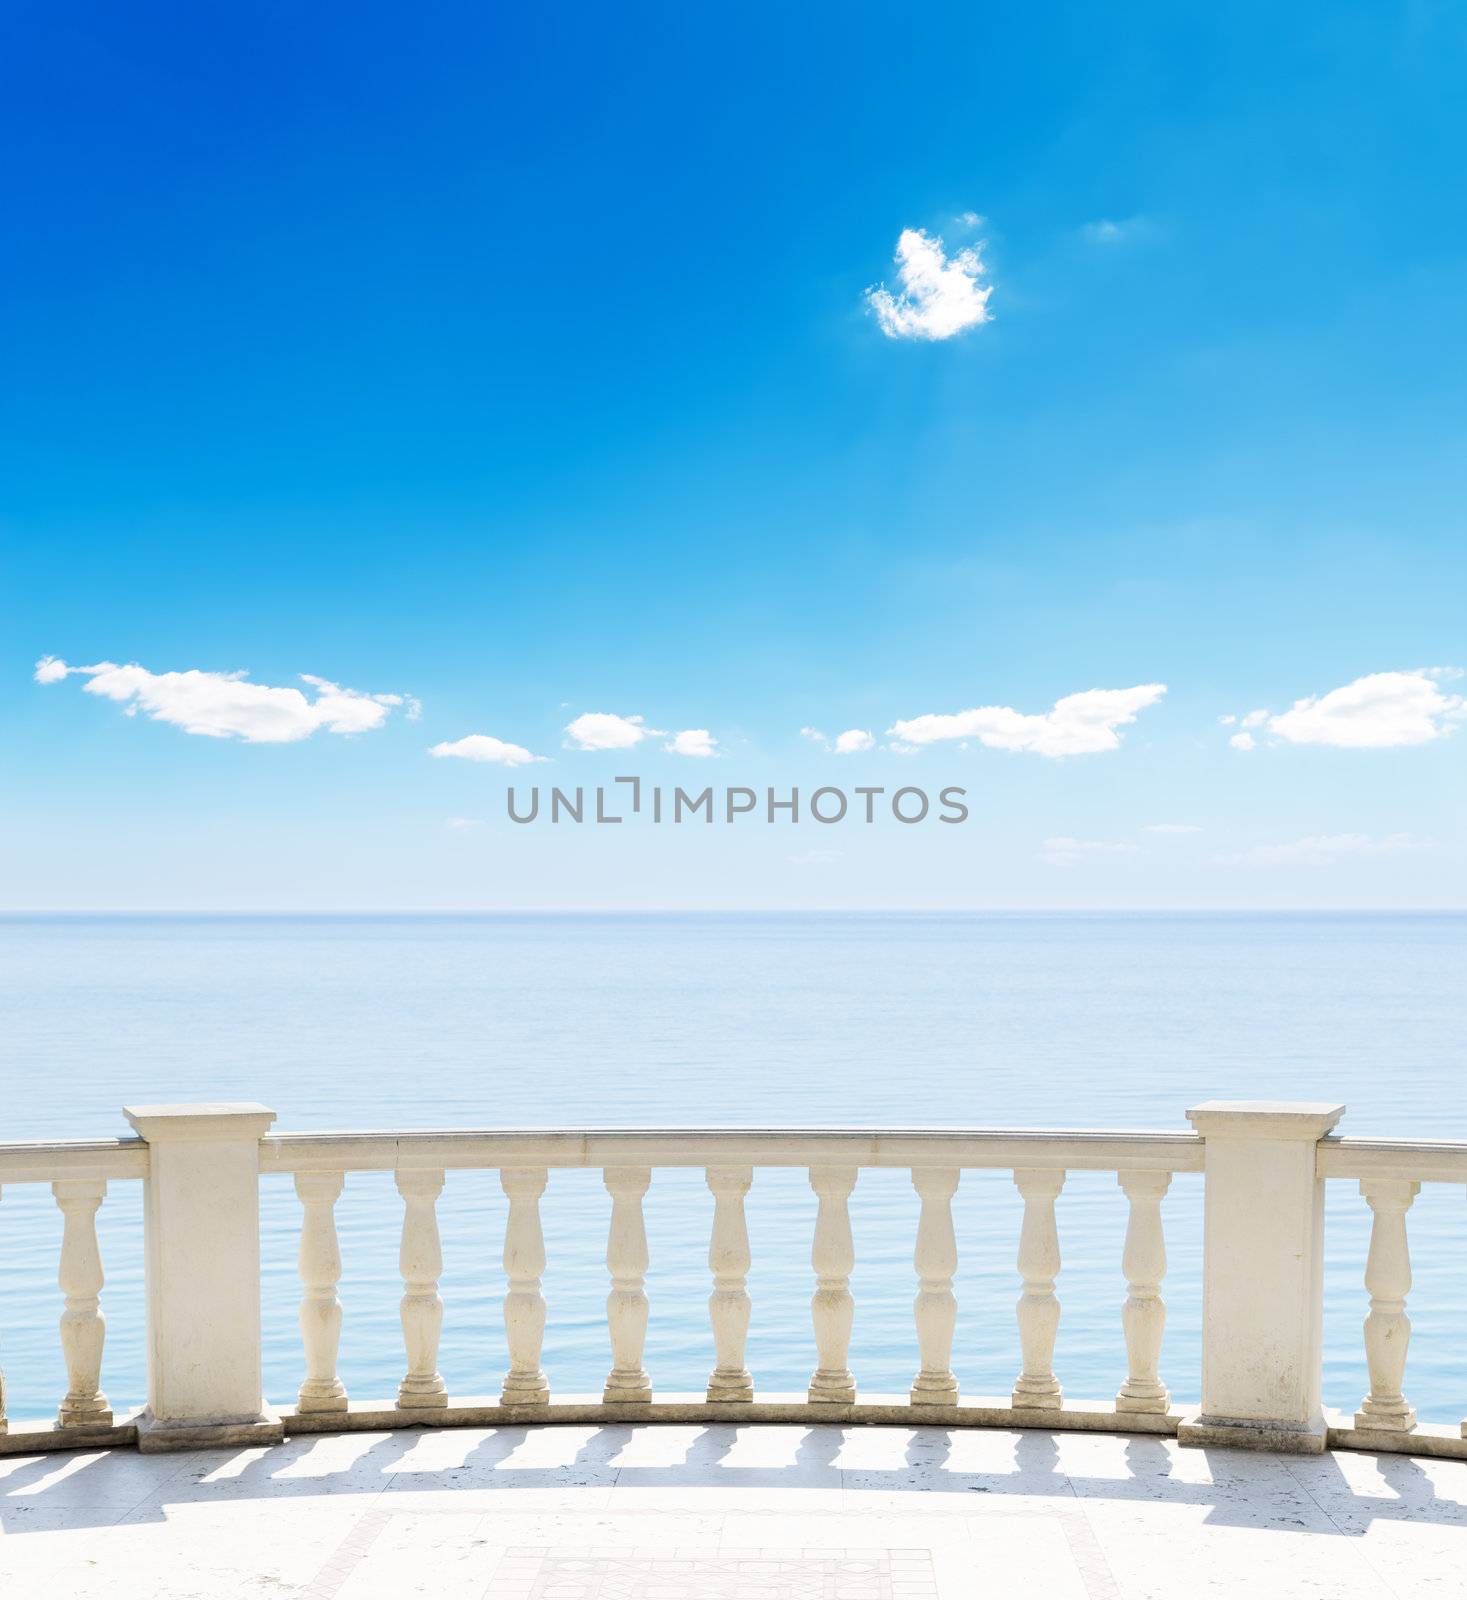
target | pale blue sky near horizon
x=525, y=365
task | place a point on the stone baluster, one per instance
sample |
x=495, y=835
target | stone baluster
x=524, y=1305
x=421, y=1263
x=626, y=1305
x=82, y=1325
x=832, y=1308
x=320, y=1272
x=1038, y=1308
x=1387, y=1327
x=728, y=1305
x=1143, y=1260
x=936, y=1306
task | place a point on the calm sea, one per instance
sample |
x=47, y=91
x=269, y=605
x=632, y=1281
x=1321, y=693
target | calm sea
x=1117, y=1021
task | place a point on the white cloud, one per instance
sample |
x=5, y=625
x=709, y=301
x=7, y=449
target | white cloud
x=1380, y=711
x=603, y=730
x=1079, y=724
x=814, y=858
x=1103, y=231
x=485, y=747
x=1113, y=231
x=1065, y=852
x=939, y=297
x=460, y=824
x=1171, y=827
x=692, y=742
x=1243, y=741
x=1322, y=850
x=225, y=705
x=850, y=743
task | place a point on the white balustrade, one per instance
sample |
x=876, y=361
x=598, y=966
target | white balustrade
x=831, y=1308
x=1387, y=1327
x=1143, y=1317
x=1264, y=1167
x=524, y=1305
x=1038, y=1310
x=420, y=1261
x=320, y=1272
x=936, y=1306
x=728, y=1305
x=83, y=1328
x=626, y=1305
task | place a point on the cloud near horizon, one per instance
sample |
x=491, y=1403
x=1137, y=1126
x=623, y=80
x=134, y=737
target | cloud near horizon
x=1078, y=724
x=1065, y=852
x=485, y=747
x=1381, y=711
x=226, y=705
x=1323, y=850
x=939, y=296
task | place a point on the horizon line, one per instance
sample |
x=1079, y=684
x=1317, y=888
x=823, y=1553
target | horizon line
x=757, y=911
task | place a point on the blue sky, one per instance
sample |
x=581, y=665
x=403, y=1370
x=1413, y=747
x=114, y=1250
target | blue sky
x=525, y=365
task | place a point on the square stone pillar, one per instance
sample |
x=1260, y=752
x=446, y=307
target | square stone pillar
x=1263, y=1270
x=202, y=1239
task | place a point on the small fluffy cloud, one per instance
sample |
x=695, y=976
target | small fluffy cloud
x=1078, y=724
x=1065, y=852
x=225, y=705
x=485, y=747
x=939, y=295
x=1172, y=827
x=692, y=742
x=1112, y=231
x=814, y=858
x=1380, y=711
x=1322, y=850
x=853, y=742
x=604, y=730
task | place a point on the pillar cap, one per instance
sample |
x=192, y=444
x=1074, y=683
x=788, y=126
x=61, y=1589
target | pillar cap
x=212, y=1120
x=1298, y=1120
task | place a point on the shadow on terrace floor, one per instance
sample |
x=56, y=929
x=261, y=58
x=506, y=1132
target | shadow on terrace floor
x=948, y=1468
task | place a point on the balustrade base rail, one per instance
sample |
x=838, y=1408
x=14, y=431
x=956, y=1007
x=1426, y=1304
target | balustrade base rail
x=22, y=1438
x=877, y=1410
x=1437, y=1440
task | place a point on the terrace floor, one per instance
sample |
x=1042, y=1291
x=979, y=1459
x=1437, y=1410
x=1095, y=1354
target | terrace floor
x=730, y=1512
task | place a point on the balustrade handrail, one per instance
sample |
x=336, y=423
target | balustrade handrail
x=1099, y=1150
x=1417, y=1160
x=46, y=1161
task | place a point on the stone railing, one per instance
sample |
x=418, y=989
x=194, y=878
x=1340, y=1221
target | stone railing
x=1263, y=1166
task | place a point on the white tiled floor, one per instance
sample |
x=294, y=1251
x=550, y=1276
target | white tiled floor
x=730, y=1513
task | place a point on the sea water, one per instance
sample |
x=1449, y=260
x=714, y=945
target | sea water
x=874, y=1019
